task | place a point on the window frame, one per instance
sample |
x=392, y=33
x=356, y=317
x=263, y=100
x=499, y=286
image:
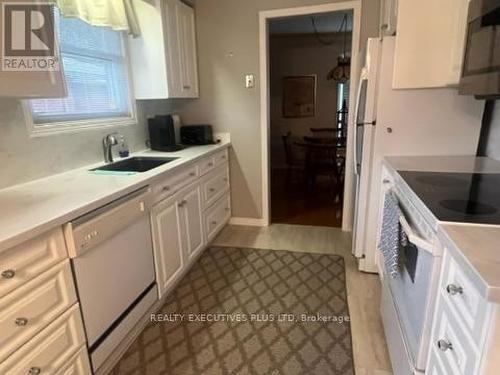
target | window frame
x=73, y=126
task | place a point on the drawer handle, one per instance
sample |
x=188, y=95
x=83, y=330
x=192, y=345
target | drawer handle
x=211, y=190
x=8, y=274
x=444, y=345
x=192, y=174
x=210, y=164
x=35, y=371
x=21, y=322
x=214, y=222
x=166, y=188
x=182, y=203
x=453, y=290
x=186, y=87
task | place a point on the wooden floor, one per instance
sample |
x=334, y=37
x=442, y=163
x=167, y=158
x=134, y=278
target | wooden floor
x=363, y=290
x=293, y=202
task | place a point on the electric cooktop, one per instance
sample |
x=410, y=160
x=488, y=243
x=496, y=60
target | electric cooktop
x=458, y=197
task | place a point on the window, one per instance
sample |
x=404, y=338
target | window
x=96, y=73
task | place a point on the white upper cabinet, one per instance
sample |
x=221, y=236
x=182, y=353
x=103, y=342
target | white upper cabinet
x=388, y=17
x=430, y=42
x=163, y=58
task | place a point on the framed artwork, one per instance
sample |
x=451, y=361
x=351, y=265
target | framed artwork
x=299, y=96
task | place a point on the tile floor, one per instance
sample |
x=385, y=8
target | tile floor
x=363, y=290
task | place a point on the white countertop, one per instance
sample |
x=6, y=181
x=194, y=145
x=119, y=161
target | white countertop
x=35, y=207
x=475, y=245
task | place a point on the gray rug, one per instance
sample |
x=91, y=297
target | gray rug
x=248, y=311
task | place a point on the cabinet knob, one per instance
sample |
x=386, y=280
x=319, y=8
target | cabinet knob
x=210, y=164
x=166, y=188
x=35, y=371
x=389, y=130
x=444, y=345
x=192, y=174
x=453, y=289
x=223, y=156
x=21, y=322
x=211, y=190
x=214, y=222
x=8, y=274
x=224, y=179
x=186, y=87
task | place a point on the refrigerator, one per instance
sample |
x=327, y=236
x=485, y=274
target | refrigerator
x=399, y=122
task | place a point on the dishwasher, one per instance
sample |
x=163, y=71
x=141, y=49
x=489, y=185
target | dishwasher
x=112, y=258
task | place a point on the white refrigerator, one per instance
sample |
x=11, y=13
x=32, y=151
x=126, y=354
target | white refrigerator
x=400, y=122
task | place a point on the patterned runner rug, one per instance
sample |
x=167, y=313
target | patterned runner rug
x=249, y=311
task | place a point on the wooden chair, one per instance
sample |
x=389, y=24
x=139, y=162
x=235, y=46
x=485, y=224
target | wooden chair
x=293, y=162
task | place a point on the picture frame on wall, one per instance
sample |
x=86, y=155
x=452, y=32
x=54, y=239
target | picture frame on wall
x=299, y=96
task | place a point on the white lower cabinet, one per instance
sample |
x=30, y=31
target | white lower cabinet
x=177, y=234
x=184, y=222
x=51, y=349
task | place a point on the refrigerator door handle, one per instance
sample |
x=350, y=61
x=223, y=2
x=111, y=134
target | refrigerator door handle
x=355, y=130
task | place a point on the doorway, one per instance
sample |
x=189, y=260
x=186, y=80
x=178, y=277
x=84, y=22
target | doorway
x=307, y=103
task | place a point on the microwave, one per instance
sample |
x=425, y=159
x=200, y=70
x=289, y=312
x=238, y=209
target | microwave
x=481, y=63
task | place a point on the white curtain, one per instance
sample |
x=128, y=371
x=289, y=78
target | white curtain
x=117, y=14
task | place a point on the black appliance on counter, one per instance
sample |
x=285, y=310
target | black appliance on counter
x=162, y=134
x=197, y=135
x=481, y=64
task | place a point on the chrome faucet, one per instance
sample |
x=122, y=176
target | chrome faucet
x=108, y=142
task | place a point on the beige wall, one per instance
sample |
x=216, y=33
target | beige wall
x=228, y=48
x=24, y=158
x=295, y=55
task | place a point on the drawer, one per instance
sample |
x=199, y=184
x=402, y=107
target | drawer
x=221, y=157
x=78, y=365
x=462, y=358
x=51, y=349
x=215, y=185
x=216, y=217
x=206, y=165
x=24, y=262
x=29, y=309
x=176, y=181
x=464, y=299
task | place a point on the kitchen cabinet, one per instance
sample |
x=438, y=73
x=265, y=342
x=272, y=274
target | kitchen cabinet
x=192, y=206
x=465, y=333
x=430, y=43
x=163, y=58
x=177, y=235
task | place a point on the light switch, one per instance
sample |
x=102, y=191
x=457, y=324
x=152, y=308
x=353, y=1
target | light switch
x=249, y=81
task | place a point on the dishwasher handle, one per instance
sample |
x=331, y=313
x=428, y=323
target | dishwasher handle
x=83, y=235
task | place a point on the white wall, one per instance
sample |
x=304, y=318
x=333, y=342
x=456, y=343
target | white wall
x=493, y=144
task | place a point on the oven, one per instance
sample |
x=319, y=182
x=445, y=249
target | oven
x=481, y=63
x=408, y=296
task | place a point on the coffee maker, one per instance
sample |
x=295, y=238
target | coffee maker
x=162, y=134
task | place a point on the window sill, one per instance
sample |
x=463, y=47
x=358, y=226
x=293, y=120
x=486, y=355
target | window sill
x=65, y=127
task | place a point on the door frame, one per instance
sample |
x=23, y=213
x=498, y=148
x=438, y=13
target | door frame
x=264, y=17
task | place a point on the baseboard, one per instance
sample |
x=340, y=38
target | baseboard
x=250, y=221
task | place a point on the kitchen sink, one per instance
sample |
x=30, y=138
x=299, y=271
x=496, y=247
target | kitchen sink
x=135, y=164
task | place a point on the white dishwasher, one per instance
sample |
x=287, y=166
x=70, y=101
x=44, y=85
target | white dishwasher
x=112, y=258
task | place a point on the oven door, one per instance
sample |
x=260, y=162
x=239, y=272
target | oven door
x=481, y=65
x=410, y=290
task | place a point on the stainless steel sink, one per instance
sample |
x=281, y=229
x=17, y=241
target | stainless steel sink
x=135, y=164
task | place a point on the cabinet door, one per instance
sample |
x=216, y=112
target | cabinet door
x=167, y=231
x=186, y=34
x=191, y=207
x=429, y=45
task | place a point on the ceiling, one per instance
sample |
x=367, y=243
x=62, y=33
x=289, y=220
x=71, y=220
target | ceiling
x=325, y=23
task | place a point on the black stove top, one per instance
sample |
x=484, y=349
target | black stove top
x=458, y=197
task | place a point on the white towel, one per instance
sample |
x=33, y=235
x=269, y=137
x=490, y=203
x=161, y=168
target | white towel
x=392, y=235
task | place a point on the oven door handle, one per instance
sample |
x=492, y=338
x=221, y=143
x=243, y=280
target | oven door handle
x=416, y=239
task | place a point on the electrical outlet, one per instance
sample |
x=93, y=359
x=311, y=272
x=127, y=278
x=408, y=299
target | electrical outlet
x=249, y=81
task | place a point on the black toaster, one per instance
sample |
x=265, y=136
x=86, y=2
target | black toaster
x=197, y=135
